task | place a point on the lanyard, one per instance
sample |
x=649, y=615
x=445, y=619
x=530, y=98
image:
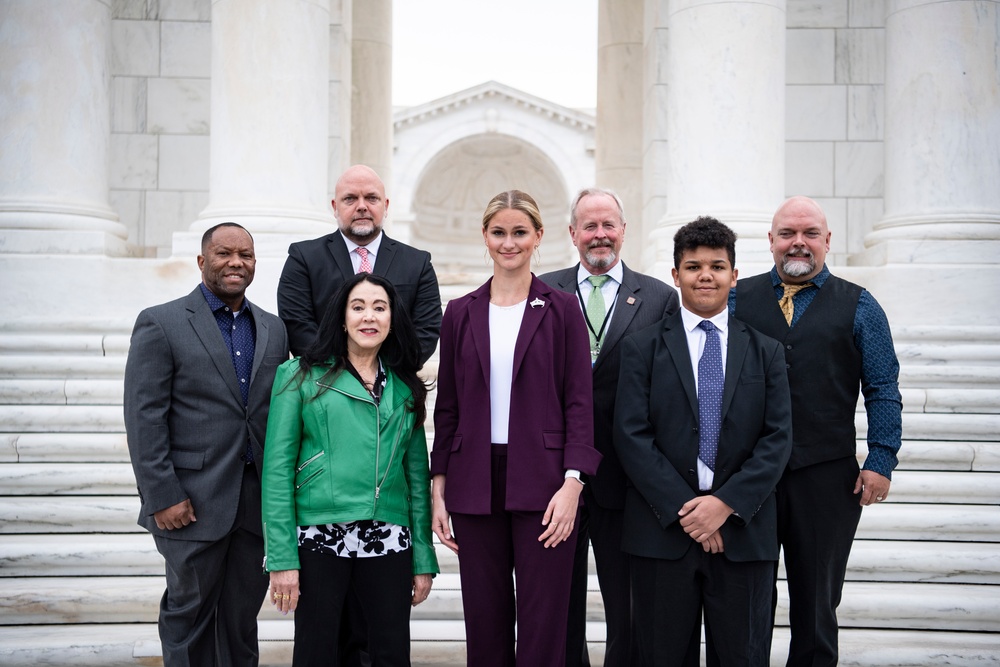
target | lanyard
x=607, y=316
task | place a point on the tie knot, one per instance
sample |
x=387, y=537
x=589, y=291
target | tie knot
x=363, y=253
x=792, y=290
x=706, y=326
x=597, y=281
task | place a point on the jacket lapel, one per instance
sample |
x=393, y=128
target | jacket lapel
x=260, y=344
x=739, y=343
x=386, y=253
x=207, y=329
x=625, y=309
x=338, y=250
x=675, y=339
x=479, y=325
x=539, y=303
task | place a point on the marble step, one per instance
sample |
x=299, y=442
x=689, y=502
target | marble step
x=70, y=391
x=46, y=479
x=135, y=554
x=101, y=343
x=932, y=606
x=74, y=555
x=441, y=644
x=62, y=392
x=62, y=366
x=77, y=448
x=942, y=426
x=62, y=418
x=23, y=447
x=117, y=514
x=102, y=416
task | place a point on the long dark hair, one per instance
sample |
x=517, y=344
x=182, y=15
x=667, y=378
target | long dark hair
x=400, y=351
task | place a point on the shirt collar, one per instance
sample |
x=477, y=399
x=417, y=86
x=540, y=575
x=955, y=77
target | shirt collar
x=615, y=273
x=816, y=280
x=372, y=246
x=691, y=321
x=215, y=303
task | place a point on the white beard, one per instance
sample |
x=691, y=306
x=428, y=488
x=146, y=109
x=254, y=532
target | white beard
x=796, y=268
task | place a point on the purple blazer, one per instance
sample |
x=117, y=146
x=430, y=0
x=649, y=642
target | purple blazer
x=551, y=403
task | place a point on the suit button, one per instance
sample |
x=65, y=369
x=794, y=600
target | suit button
x=788, y=347
x=787, y=366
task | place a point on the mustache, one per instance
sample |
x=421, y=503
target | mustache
x=600, y=244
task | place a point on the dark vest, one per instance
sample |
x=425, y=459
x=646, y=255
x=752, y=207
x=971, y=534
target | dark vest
x=824, y=364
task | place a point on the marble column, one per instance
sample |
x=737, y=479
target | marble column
x=270, y=115
x=725, y=113
x=618, y=134
x=340, y=91
x=942, y=135
x=56, y=122
x=371, y=83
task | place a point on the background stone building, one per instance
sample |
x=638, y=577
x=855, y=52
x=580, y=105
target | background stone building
x=127, y=127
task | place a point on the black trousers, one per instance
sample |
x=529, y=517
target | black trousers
x=384, y=586
x=601, y=527
x=818, y=516
x=669, y=597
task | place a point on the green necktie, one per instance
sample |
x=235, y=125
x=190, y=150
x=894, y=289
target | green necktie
x=596, y=312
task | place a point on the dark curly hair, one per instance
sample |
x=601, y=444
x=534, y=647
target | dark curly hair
x=705, y=232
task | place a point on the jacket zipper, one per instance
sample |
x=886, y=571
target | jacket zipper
x=309, y=460
x=378, y=444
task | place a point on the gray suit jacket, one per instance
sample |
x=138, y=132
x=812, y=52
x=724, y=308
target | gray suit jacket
x=184, y=415
x=642, y=300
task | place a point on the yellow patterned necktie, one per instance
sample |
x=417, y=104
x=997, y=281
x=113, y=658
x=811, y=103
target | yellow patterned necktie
x=786, y=304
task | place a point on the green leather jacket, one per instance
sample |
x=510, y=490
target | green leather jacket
x=335, y=456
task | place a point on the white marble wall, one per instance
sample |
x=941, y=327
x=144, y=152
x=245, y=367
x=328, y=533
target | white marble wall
x=161, y=109
x=834, y=112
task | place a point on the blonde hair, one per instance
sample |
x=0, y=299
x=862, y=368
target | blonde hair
x=517, y=200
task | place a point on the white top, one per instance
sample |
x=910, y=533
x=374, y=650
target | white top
x=608, y=290
x=505, y=323
x=696, y=345
x=372, y=246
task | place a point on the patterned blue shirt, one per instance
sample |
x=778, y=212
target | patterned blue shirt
x=240, y=336
x=879, y=369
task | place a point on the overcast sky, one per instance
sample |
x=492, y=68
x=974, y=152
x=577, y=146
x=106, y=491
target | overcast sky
x=544, y=47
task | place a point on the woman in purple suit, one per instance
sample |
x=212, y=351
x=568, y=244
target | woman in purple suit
x=513, y=429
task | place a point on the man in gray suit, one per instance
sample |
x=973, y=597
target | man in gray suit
x=197, y=390
x=615, y=301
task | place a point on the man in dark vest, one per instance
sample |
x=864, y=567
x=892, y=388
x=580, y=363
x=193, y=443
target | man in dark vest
x=837, y=341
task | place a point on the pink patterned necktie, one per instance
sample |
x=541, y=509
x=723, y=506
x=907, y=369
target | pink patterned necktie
x=365, y=266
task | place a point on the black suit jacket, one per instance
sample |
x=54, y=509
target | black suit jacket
x=656, y=437
x=316, y=269
x=184, y=415
x=642, y=300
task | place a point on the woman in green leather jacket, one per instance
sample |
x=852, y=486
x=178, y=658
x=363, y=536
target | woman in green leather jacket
x=346, y=489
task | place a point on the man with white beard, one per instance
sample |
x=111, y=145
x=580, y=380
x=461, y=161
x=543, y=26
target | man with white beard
x=615, y=301
x=837, y=340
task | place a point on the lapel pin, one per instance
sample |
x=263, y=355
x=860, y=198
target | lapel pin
x=630, y=301
x=537, y=303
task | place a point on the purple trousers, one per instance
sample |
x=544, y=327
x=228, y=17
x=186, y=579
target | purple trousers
x=494, y=551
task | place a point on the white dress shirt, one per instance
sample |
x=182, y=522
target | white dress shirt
x=372, y=246
x=696, y=345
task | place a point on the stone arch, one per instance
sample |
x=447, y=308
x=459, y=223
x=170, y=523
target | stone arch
x=454, y=187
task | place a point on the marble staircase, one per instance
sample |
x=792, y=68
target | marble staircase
x=80, y=582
